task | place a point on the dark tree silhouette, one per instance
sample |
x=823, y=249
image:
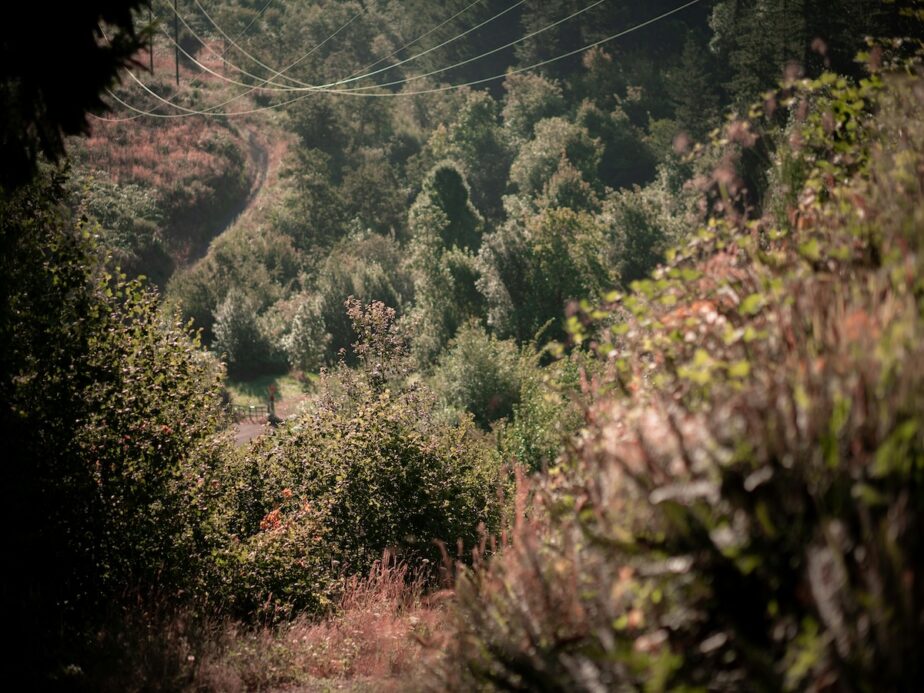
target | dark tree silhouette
x=54, y=63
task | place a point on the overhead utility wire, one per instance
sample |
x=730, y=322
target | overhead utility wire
x=304, y=86
x=250, y=88
x=233, y=42
x=445, y=88
x=422, y=36
x=328, y=88
x=325, y=88
x=467, y=60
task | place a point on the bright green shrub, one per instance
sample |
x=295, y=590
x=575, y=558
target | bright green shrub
x=530, y=98
x=305, y=343
x=547, y=414
x=129, y=220
x=260, y=264
x=554, y=139
x=480, y=374
x=369, y=267
x=475, y=139
x=531, y=267
x=241, y=340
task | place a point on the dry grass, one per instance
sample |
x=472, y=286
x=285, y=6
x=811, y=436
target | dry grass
x=386, y=635
x=160, y=156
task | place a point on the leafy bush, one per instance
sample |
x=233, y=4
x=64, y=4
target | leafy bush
x=549, y=411
x=369, y=468
x=446, y=233
x=129, y=220
x=312, y=214
x=444, y=209
x=554, y=139
x=474, y=139
x=305, y=343
x=259, y=265
x=626, y=158
x=530, y=98
x=110, y=411
x=480, y=374
x=642, y=224
x=368, y=267
x=241, y=340
x=533, y=265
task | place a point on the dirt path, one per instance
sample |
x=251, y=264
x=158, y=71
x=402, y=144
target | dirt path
x=267, y=148
x=247, y=430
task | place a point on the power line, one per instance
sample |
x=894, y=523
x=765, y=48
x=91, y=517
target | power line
x=422, y=36
x=328, y=88
x=304, y=86
x=321, y=88
x=474, y=58
x=434, y=90
x=434, y=48
x=251, y=87
x=253, y=58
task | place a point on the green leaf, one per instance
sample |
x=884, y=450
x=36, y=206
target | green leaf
x=739, y=369
x=752, y=304
x=810, y=250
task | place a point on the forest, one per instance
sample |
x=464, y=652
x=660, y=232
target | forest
x=492, y=345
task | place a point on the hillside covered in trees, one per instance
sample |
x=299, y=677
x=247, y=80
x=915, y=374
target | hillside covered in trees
x=600, y=323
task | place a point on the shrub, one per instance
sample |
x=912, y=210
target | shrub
x=129, y=220
x=530, y=98
x=480, y=374
x=548, y=413
x=532, y=266
x=369, y=267
x=474, y=139
x=110, y=412
x=444, y=210
x=305, y=344
x=241, y=339
x=626, y=158
x=554, y=139
x=258, y=265
x=369, y=468
x=446, y=233
x=642, y=223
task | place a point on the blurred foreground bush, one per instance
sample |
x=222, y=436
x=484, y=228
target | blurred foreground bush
x=744, y=508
